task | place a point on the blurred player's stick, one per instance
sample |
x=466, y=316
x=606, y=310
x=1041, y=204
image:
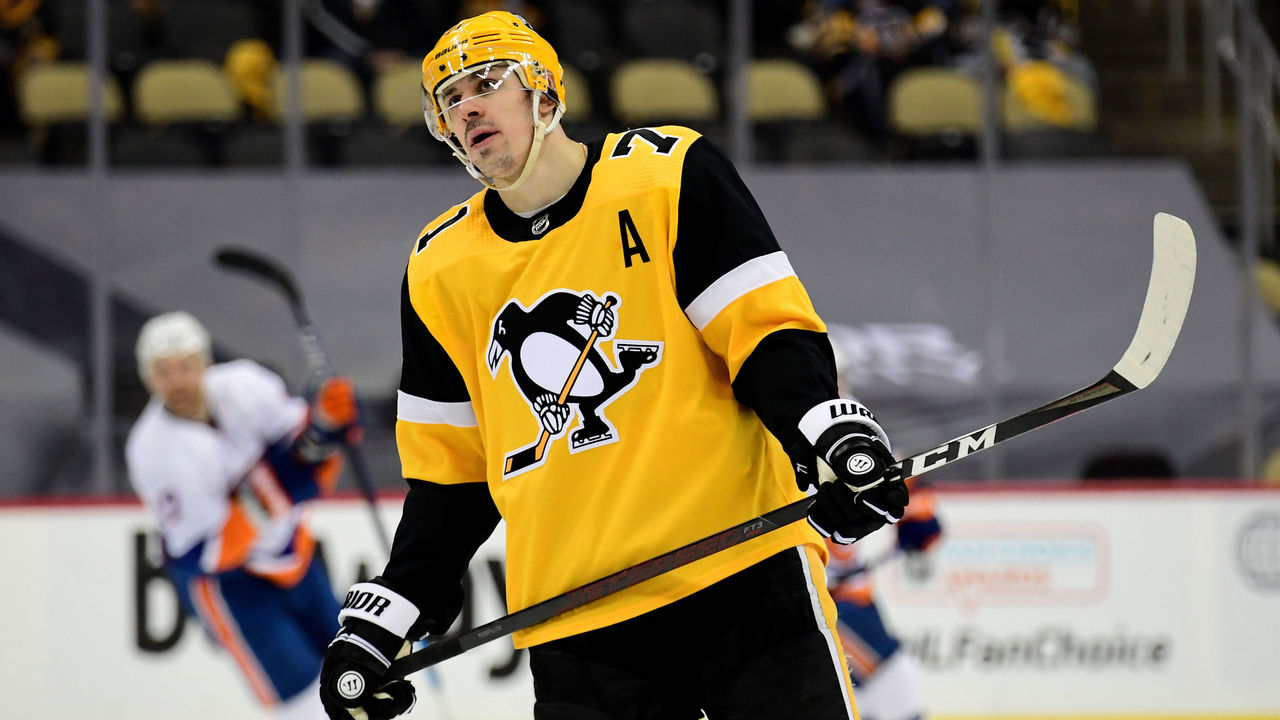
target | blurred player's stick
x=526, y=456
x=1172, y=275
x=871, y=563
x=273, y=274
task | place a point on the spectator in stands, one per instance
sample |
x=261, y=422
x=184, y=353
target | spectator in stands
x=250, y=65
x=28, y=32
x=859, y=46
x=1034, y=45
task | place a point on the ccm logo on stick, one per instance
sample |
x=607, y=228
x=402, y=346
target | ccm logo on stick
x=952, y=451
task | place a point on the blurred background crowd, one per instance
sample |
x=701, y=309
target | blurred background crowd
x=195, y=82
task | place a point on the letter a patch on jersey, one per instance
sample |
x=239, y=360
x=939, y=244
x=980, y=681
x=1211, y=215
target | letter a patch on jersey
x=560, y=368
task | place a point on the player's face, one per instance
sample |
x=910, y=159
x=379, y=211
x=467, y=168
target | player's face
x=178, y=381
x=489, y=112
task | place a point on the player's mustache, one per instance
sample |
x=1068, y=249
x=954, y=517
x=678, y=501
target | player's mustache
x=477, y=124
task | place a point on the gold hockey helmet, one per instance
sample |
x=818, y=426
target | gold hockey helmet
x=495, y=44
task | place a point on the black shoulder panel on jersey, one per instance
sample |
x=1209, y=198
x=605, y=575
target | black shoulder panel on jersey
x=426, y=371
x=789, y=372
x=441, y=527
x=720, y=225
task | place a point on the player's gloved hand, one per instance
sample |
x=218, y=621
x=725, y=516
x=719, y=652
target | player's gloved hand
x=335, y=407
x=846, y=515
x=335, y=417
x=375, y=621
x=917, y=535
x=551, y=414
x=595, y=314
x=853, y=452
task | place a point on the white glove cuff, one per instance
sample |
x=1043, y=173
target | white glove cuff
x=381, y=606
x=834, y=412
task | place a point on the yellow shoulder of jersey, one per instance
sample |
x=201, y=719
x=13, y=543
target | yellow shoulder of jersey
x=642, y=159
x=632, y=160
x=454, y=234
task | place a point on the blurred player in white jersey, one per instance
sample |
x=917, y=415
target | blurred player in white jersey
x=888, y=681
x=227, y=461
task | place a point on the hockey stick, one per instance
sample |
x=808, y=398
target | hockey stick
x=526, y=456
x=871, y=563
x=273, y=274
x=1172, y=276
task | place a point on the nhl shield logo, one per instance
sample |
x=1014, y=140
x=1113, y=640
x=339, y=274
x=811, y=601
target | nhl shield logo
x=541, y=224
x=558, y=365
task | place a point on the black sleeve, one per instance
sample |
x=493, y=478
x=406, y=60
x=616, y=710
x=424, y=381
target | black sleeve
x=720, y=225
x=440, y=530
x=789, y=372
x=442, y=526
x=426, y=370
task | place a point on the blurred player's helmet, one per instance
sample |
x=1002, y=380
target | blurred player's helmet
x=494, y=46
x=174, y=333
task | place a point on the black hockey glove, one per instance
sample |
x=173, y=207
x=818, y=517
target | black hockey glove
x=375, y=621
x=853, y=451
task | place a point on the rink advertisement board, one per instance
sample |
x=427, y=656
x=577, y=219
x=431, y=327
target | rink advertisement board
x=1108, y=603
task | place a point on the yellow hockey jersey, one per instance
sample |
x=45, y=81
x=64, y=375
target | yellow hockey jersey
x=580, y=363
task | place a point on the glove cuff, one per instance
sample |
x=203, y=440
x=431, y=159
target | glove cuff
x=825, y=415
x=378, y=604
x=370, y=649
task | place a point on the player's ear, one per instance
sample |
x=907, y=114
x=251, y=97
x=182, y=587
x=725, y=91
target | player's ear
x=546, y=107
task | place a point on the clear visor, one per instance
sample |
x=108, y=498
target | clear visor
x=469, y=84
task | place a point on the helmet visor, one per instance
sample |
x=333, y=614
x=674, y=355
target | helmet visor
x=467, y=85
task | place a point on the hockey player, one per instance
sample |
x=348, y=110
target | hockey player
x=227, y=461
x=607, y=349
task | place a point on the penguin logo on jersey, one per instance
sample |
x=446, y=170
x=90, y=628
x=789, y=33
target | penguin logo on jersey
x=558, y=365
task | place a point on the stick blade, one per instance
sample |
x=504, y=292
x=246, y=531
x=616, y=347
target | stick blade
x=254, y=263
x=521, y=460
x=1173, y=274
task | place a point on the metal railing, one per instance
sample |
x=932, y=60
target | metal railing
x=1233, y=39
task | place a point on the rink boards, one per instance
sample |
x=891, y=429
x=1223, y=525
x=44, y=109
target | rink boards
x=1123, y=602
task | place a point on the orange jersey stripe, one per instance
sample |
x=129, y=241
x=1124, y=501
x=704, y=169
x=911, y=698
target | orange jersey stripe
x=208, y=601
x=288, y=574
x=863, y=659
x=235, y=540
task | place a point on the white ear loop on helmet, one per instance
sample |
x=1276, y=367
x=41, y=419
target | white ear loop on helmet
x=541, y=128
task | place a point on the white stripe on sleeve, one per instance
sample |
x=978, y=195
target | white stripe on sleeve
x=412, y=408
x=750, y=275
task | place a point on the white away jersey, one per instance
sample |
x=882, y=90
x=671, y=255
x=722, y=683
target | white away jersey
x=185, y=471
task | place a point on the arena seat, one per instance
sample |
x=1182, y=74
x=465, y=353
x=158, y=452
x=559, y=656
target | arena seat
x=53, y=100
x=934, y=101
x=654, y=91
x=183, y=91
x=330, y=92
x=780, y=89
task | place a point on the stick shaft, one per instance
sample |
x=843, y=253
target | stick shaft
x=274, y=274
x=919, y=463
